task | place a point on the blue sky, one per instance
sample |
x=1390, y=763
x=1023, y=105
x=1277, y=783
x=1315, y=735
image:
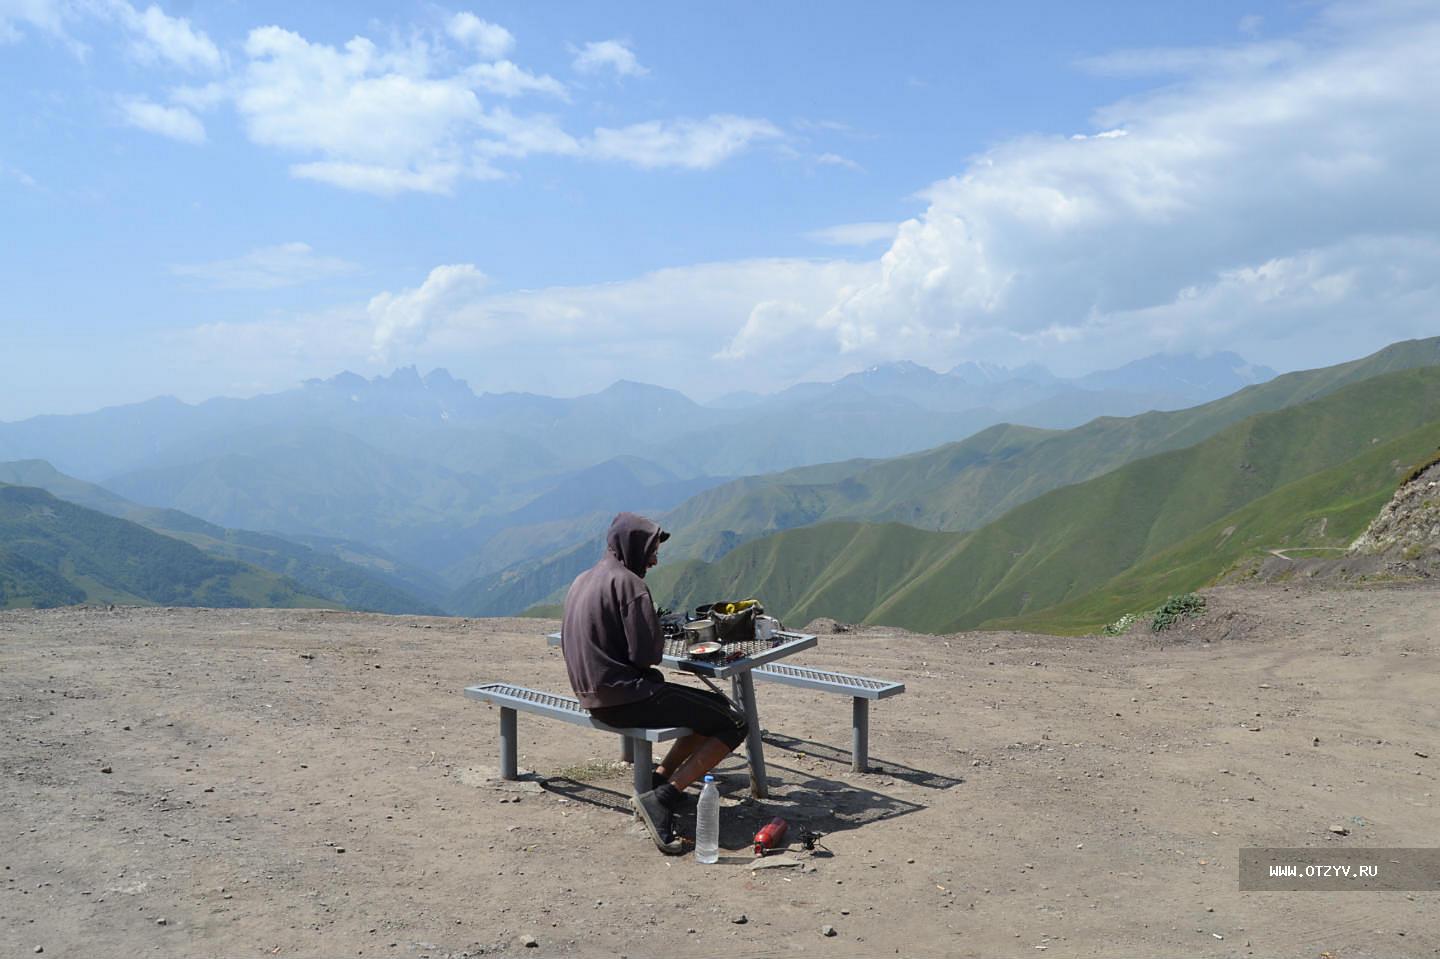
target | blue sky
x=226, y=198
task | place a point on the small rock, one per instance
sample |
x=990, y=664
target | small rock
x=106, y=770
x=1339, y=830
x=974, y=762
x=827, y=931
x=529, y=942
x=339, y=848
x=1315, y=741
x=740, y=920
x=1423, y=755
x=162, y=921
x=39, y=949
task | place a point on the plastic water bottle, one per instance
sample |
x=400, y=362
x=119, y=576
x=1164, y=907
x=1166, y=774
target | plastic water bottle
x=707, y=823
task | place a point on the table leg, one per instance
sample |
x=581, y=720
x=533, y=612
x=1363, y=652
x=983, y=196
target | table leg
x=627, y=749
x=745, y=688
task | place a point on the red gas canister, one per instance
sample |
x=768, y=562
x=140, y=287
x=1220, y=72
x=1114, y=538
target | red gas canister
x=771, y=836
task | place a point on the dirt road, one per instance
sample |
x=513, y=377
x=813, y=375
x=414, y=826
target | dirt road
x=258, y=783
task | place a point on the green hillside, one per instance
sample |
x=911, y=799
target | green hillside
x=956, y=487
x=340, y=583
x=966, y=484
x=1329, y=510
x=55, y=553
x=1062, y=547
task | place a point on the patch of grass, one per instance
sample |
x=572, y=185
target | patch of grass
x=1175, y=609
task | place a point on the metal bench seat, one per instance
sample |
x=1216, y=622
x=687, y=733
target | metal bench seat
x=514, y=699
x=861, y=689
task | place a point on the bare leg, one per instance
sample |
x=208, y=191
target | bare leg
x=699, y=762
x=679, y=752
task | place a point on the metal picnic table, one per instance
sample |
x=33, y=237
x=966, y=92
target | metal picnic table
x=742, y=684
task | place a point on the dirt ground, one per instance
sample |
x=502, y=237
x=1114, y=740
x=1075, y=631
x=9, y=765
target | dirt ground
x=178, y=782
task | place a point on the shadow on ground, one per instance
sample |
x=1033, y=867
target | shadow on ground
x=807, y=803
x=880, y=767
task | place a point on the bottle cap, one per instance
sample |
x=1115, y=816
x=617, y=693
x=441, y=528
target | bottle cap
x=709, y=779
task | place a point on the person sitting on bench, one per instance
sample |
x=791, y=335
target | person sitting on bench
x=612, y=641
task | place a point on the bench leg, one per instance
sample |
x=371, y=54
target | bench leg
x=627, y=749
x=640, y=750
x=860, y=735
x=508, y=768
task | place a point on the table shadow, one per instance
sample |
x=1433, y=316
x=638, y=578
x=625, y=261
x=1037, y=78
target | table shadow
x=879, y=767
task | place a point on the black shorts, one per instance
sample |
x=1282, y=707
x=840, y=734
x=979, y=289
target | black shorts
x=701, y=710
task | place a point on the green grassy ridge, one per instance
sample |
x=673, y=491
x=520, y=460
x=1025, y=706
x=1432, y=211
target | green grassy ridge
x=963, y=485
x=57, y=553
x=1325, y=510
x=1067, y=543
x=958, y=486
x=338, y=582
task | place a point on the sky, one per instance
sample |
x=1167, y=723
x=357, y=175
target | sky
x=228, y=198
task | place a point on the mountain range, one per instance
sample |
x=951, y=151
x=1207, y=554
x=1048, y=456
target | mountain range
x=417, y=494
x=457, y=487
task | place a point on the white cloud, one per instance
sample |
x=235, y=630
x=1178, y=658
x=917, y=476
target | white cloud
x=508, y=80
x=614, y=55
x=377, y=121
x=403, y=319
x=384, y=120
x=177, y=123
x=435, y=177
x=693, y=144
x=268, y=268
x=1283, y=208
x=19, y=176
x=835, y=159
x=49, y=18
x=855, y=234
x=1260, y=163
x=157, y=37
x=491, y=41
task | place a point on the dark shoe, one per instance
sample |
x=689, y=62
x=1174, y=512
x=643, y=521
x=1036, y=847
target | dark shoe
x=659, y=822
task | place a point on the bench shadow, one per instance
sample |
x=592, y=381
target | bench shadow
x=879, y=767
x=807, y=803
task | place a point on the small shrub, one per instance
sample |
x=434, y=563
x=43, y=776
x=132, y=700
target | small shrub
x=1121, y=625
x=1175, y=609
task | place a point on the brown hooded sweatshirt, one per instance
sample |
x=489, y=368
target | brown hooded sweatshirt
x=611, y=632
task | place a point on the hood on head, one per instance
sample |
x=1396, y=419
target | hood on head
x=631, y=538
